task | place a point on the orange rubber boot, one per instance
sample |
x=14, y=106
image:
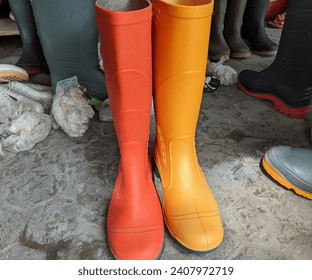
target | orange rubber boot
x=134, y=223
x=181, y=32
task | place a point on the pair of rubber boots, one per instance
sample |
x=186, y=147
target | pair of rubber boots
x=237, y=28
x=287, y=82
x=60, y=37
x=176, y=75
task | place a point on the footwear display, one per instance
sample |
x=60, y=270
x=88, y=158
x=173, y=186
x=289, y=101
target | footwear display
x=253, y=28
x=134, y=223
x=232, y=29
x=32, y=56
x=291, y=167
x=69, y=39
x=287, y=82
x=190, y=210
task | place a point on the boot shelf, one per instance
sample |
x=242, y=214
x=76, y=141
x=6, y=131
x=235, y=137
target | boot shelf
x=8, y=27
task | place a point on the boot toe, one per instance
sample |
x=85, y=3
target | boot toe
x=248, y=81
x=290, y=167
x=136, y=243
x=199, y=234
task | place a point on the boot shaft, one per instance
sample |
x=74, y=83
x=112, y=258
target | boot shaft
x=24, y=19
x=234, y=16
x=69, y=39
x=294, y=61
x=218, y=46
x=218, y=16
x=125, y=30
x=294, y=6
x=232, y=28
x=253, y=28
x=180, y=47
x=32, y=57
x=296, y=41
x=256, y=10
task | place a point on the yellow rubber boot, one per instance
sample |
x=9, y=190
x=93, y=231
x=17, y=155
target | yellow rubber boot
x=181, y=30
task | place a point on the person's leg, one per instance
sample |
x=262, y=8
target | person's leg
x=180, y=41
x=232, y=28
x=290, y=167
x=134, y=223
x=69, y=39
x=287, y=82
x=32, y=56
x=253, y=28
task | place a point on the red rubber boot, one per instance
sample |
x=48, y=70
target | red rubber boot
x=134, y=224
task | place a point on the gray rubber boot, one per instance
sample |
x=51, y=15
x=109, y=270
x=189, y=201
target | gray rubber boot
x=32, y=57
x=290, y=167
x=232, y=28
x=218, y=46
x=69, y=39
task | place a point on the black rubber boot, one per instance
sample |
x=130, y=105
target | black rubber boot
x=69, y=39
x=287, y=82
x=253, y=29
x=218, y=46
x=32, y=57
x=4, y=9
x=232, y=28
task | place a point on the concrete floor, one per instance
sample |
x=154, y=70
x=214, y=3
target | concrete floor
x=54, y=197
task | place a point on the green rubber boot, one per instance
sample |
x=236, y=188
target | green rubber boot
x=232, y=29
x=69, y=39
x=32, y=57
x=218, y=46
x=253, y=28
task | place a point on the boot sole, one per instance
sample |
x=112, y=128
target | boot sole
x=240, y=55
x=216, y=58
x=279, y=105
x=6, y=76
x=265, y=53
x=278, y=178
